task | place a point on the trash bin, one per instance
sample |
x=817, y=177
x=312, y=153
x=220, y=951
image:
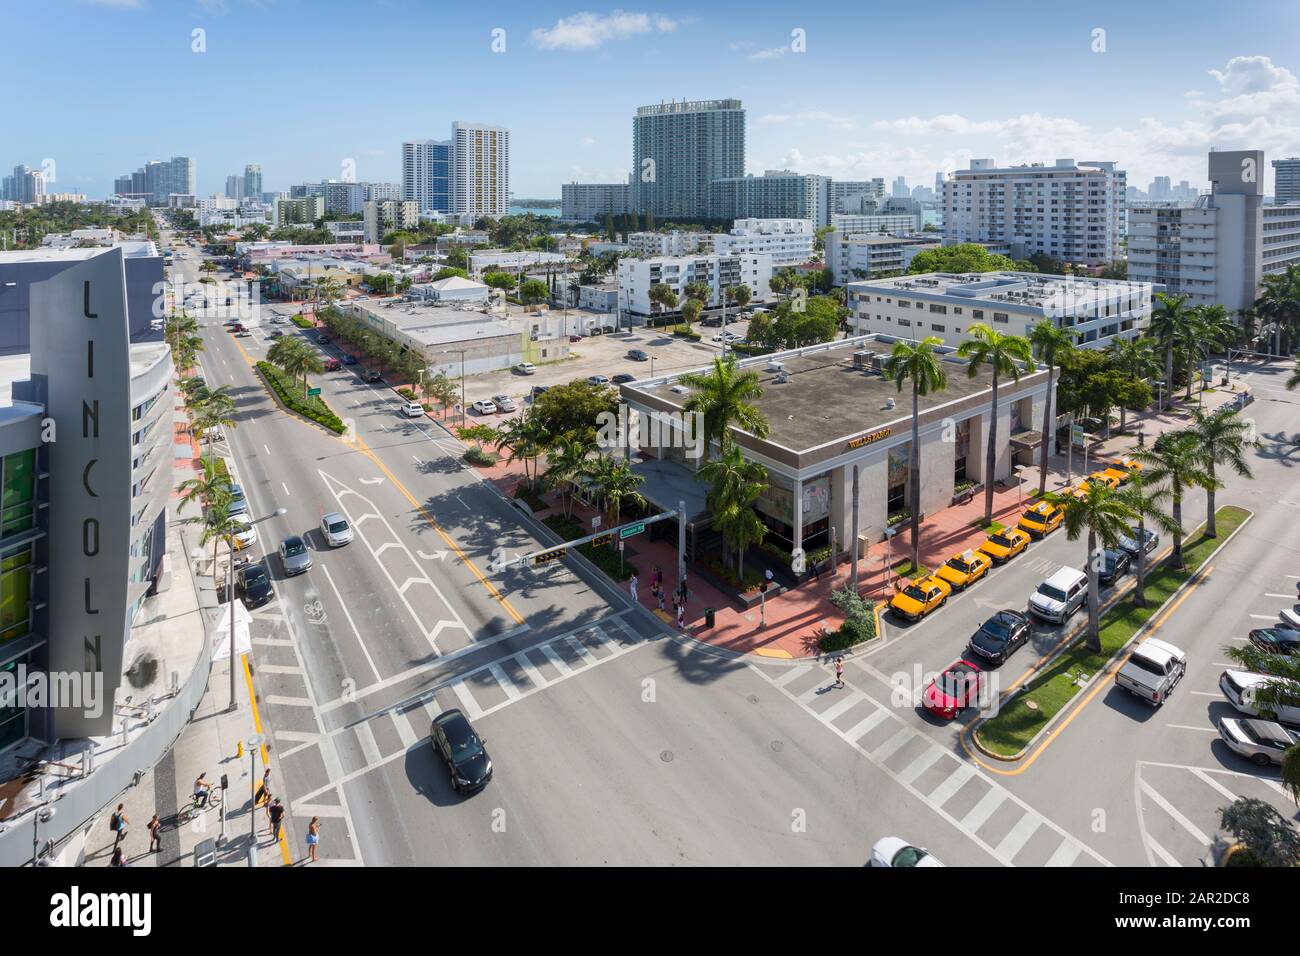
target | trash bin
x=708, y=618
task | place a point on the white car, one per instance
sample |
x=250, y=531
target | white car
x=730, y=337
x=412, y=409
x=1262, y=741
x=504, y=403
x=245, y=535
x=526, y=368
x=895, y=853
x=598, y=379
x=1291, y=616
x=484, y=407
x=336, y=531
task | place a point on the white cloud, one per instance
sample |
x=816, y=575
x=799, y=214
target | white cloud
x=588, y=141
x=809, y=116
x=586, y=31
x=770, y=53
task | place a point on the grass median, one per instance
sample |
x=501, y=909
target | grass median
x=288, y=390
x=1049, y=692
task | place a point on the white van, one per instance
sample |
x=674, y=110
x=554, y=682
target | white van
x=1240, y=686
x=1060, y=595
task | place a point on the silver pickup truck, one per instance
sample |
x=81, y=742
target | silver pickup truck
x=1152, y=670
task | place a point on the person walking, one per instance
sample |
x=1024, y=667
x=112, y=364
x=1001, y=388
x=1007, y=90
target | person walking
x=263, y=794
x=681, y=616
x=155, y=835
x=118, y=858
x=313, y=839
x=839, y=672
x=812, y=566
x=659, y=594
x=632, y=587
x=276, y=813
x=657, y=581
x=119, y=823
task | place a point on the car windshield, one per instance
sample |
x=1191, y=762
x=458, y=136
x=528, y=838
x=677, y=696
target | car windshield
x=1001, y=540
x=915, y=593
x=294, y=547
x=1151, y=667
x=908, y=856
x=996, y=628
x=255, y=575
x=463, y=741
x=958, y=565
x=1048, y=591
x=1033, y=516
x=338, y=526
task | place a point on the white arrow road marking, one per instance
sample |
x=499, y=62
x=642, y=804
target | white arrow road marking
x=436, y=556
x=372, y=481
x=341, y=494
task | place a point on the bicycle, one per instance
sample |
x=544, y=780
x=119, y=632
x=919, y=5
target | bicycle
x=194, y=807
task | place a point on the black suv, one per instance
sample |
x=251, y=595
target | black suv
x=467, y=760
x=255, y=583
x=1000, y=635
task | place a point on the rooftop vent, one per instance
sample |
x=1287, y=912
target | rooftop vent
x=889, y=403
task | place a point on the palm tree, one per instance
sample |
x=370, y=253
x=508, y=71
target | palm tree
x=206, y=489
x=616, y=483
x=1279, y=298
x=1105, y=515
x=725, y=396
x=1136, y=359
x=691, y=309
x=741, y=295
x=918, y=363
x=526, y=437
x=663, y=296
x=215, y=410
x=1224, y=438
x=295, y=357
x=1004, y=355
x=1147, y=506
x=735, y=484
x=1051, y=344
x=1175, y=463
x=1168, y=326
x=566, y=464
x=326, y=290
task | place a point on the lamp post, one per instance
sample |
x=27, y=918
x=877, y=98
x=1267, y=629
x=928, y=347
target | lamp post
x=230, y=596
x=254, y=744
x=462, y=382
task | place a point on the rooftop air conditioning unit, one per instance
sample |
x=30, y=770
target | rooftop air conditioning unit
x=774, y=366
x=862, y=359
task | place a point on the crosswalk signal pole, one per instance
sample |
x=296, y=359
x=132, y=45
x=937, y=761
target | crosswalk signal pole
x=681, y=544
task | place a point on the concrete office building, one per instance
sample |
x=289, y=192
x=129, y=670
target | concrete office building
x=847, y=195
x=1072, y=212
x=777, y=194
x=1216, y=249
x=502, y=260
x=678, y=148
x=303, y=211
x=718, y=272
x=381, y=216
x=675, y=243
x=947, y=304
x=859, y=256
x=789, y=242
x=831, y=409
x=426, y=174
x=592, y=202
x=253, y=181
x=480, y=170
x=1286, y=179
x=894, y=223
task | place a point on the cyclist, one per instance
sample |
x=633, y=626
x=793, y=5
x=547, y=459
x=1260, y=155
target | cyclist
x=202, y=790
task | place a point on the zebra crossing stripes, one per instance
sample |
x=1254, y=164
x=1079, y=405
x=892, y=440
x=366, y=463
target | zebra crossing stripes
x=996, y=820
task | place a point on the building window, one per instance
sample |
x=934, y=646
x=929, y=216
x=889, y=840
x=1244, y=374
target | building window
x=941, y=309
x=936, y=328
x=999, y=317
x=896, y=493
x=17, y=492
x=978, y=314
x=961, y=448
x=15, y=593
x=13, y=722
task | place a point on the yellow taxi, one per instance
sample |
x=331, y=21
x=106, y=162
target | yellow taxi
x=1107, y=478
x=1041, y=519
x=964, y=569
x=1004, y=545
x=1123, y=468
x=919, y=598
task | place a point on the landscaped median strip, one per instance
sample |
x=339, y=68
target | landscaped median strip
x=1029, y=711
x=312, y=407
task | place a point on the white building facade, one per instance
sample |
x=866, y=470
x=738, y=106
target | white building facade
x=480, y=169
x=719, y=272
x=788, y=241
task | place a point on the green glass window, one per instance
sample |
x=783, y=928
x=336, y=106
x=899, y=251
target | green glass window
x=13, y=718
x=18, y=492
x=15, y=592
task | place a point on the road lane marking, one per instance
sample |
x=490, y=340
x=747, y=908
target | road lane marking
x=1019, y=835
x=286, y=488
x=842, y=706
x=894, y=744
x=863, y=727
x=369, y=748
x=980, y=813
x=951, y=784
x=558, y=662
x=1173, y=812
x=1285, y=597
x=1161, y=852
x=351, y=623
x=920, y=765
x=792, y=673
x=1207, y=779
x=502, y=678
x=466, y=701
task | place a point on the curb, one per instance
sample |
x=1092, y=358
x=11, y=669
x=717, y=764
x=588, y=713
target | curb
x=275, y=397
x=1106, y=669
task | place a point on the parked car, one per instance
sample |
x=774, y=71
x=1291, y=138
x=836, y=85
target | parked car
x=349, y=360
x=245, y=535
x=255, y=584
x=1152, y=670
x=484, y=407
x=1114, y=564
x=277, y=333
x=504, y=403
x=1129, y=542
x=1000, y=636
x=1276, y=640
x=412, y=409
x=1041, y=519
x=1004, y=545
x=323, y=339
x=454, y=740
x=1290, y=617
x=919, y=598
x=238, y=503
x=526, y=368
x=1263, y=741
x=897, y=854
x=1241, y=688
x=964, y=569
x=623, y=378
x=374, y=375
x=638, y=355
x=538, y=390
x=294, y=556
x=332, y=365
x=336, y=531
x=598, y=379
x=1059, y=596
x=957, y=688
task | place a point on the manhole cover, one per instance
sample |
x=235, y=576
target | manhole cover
x=666, y=756
x=1031, y=704
x=778, y=745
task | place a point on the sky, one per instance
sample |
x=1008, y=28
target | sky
x=853, y=90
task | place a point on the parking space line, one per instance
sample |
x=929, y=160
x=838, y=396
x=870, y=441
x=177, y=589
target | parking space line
x=1161, y=852
x=1173, y=812
x=1208, y=730
x=1207, y=779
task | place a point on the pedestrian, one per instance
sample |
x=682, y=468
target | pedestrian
x=681, y=617
x=264, y=791
x=632, y=586
x=812, y=566
x=119, y=824
x=657, y=579
x=313, y=839
x=660, y=595
x=839, y=672
x=119, y=858
x=155, y=835
x=276, y=813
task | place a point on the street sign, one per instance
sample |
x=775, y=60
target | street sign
x=547, y=556
x=632, y=529
x=313, y=391
x=603, y=540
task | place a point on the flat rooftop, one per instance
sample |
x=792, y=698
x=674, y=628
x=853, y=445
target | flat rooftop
x=1019, y=290
x=829, y=398
x=437, y=323
x=131, y=249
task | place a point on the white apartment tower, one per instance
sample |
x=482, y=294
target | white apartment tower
x=1072, y=212
x=480, y=169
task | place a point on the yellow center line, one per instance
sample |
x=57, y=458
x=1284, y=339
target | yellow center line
x=266, y=755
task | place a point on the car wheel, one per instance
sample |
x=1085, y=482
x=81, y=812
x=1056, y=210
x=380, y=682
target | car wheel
x=943, y=602
x=1261, y=760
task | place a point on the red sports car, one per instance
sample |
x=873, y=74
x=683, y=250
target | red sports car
x=954, y=690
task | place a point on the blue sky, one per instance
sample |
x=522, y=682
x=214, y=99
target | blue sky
x=301, y=86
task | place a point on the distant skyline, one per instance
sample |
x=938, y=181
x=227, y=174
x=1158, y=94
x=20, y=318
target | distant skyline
x=119, y=82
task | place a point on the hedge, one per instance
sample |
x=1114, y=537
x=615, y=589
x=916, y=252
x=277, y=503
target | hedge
x=301, y=322
x=481, y=457
x=312, y=407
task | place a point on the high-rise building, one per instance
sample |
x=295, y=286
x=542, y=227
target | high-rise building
x=25, y=185
x=1071, y=212
x=159, y=179
x=1215, y=249
x=1286, y=173
x=234, y=187
x=901, y=189
x=678, y=148
x=847, y=194
x=591, y=202
x=252, y=181
x=1160, y=188
x=426, y=174
x=480, y=169
x=381, y=215
x=377, y=192
x=777, y=194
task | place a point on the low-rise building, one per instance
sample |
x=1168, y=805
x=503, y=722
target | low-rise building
x=382, y=215
x=946, y=305
x=500, y=260
x=862, y=256
x=674, y=243
x=788, y=241
x=637, y=276
x=302, y=211
x=892, y=223
x=346, y=230
x=451, y=289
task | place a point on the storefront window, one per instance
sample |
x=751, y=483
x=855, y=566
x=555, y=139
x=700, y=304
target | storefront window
x=17, y=492
x=899, y=457
x=13, y=722
x=960, y=450
x=15, y=592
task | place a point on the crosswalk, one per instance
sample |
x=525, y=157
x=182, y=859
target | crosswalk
x=1011, y=831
